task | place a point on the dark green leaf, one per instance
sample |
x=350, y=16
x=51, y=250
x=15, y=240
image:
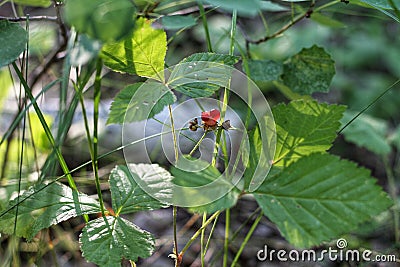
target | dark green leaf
x=140, y=101
x=142, y=53
x=128, y=196
x=309, y=71
x=200, y=75
x=265, y=70
x=304, y=127
x=212, y=57
x=44, y=206
x=273, y=7
x=101, y=19
x=105, y=241
x=13, y=40
x=177, y=22
x=380, y=3
x=199, y=182
x=320, y=197
x=39, y=3
x=200, y=89
x=368, y=132
x=243, y=7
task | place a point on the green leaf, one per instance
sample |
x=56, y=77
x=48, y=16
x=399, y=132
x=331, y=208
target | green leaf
x=380, y=3
x=262, y=141
x=320, y=197
x=200, y=75
x=178, y=22
x=304, y=127
x=105, y=241
x=243, y=7
x=13, y=40
x=327, y=21
x=200, y=182
x=128, y=196
x=43, y=206
x=272, y=7
x=265, y=70
x=368, y=132
x=212, y=57
x=140, y=101
x=142, y=53
x=101, y=19
x=309, y=71
x=38, y=3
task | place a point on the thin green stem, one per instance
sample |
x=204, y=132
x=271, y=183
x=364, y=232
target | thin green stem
x=198, y=232
x=202, y=246
x=198, y=143
x=210, y=235
x=174, y=208
x=46, y=128
x=246, y=239
x=369, y=105
x=226, y=240
x=205, y=26
x=95, y=164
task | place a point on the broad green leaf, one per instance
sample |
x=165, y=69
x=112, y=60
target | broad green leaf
x=38, y=3
x=368, y=132
x=260, y=154
x=265, y=70
x=212, y=57
x=304, y=127
x=101, y=19
x=273, y=7
x=142, y=53
x=243, y=7
x=140, y=101
x=309, y=71
x=327, y=21
x=177, y=22
x=320, y=197
x=13, y=40
x=44, y=205
x=128, y=196
x=200, y=75
x=201, y=182
x=384, y=4
x=105, y=241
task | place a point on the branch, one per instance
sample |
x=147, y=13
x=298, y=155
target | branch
x=31, y=18
x=307, y=14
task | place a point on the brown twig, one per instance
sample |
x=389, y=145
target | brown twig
x=31, y=18
x=307, y=14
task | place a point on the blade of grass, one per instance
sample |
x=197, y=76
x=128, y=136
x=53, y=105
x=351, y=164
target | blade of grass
x=46, y=128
